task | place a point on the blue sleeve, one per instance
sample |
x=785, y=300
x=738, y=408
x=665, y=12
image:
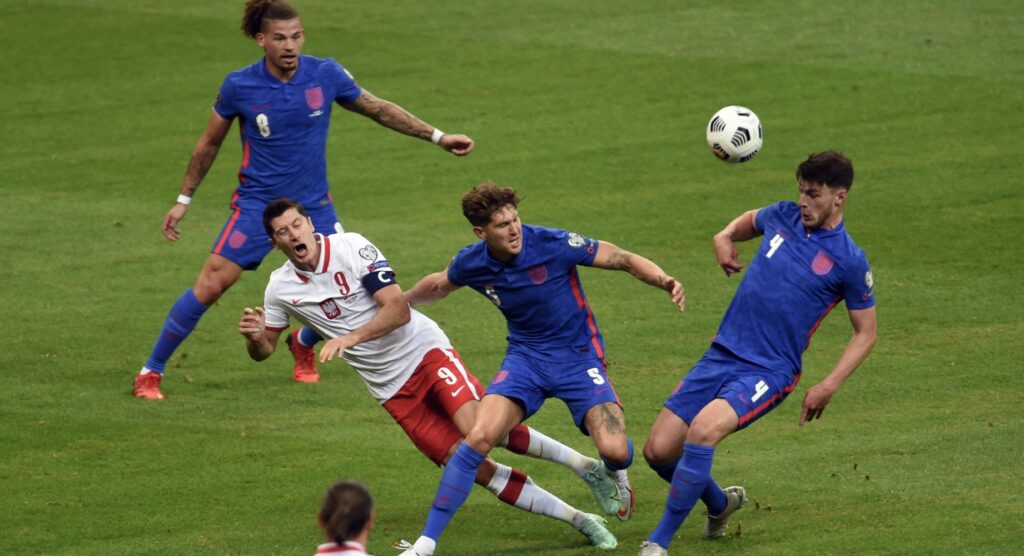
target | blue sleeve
x=226, y=105
x=764, y=213
x=455, y=269
x=572, y=248
x=858, y=284
x=345, y=88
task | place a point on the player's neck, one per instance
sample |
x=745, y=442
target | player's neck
x=279, y=74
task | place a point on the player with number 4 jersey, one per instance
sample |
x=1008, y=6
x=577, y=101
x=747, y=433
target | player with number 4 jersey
x=342, y=287
x=806, y=265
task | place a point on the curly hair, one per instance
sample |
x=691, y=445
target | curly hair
x=486, y=199
x=256, y=11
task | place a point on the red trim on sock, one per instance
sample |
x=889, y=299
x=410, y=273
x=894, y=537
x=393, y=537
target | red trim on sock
x=514, y=488
x=519, y=439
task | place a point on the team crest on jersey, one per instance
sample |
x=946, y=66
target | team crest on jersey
x=538, y=273
x=315, y=98
x=822, y=264
x=330, y=309
x=237, y=239
x=368, y=253
x=576, y=240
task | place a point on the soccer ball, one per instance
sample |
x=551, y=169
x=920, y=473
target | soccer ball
x=734, y=134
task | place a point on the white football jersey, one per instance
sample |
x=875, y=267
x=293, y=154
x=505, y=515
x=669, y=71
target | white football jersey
x=337, y=298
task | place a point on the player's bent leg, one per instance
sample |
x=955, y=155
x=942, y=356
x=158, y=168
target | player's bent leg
x=300, y=343
x=217, y=276
x=517, y=489
x=528, y=441
x=496, y=415
x=664, y=444
x=693, y=474
x=607, y=427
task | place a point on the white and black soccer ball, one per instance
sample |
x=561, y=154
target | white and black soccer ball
x=734, y=134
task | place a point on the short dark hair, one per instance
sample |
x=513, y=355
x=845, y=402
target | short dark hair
x=486, y=199
x=276, y=208
x=830, y=168
x=346, y=510
x=256, y=11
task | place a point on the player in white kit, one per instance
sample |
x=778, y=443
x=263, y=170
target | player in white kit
x=343, y=288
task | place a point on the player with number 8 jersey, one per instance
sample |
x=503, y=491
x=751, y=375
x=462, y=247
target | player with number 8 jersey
x=343, y=287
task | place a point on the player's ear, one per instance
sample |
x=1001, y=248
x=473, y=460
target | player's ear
x=841, y=197
x=478, y=231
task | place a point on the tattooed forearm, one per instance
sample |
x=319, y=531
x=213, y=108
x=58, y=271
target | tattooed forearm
x=198, y=166
x=390, y=115
x=619, y=259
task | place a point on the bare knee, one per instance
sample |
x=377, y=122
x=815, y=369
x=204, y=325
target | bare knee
x=658, y=453
x=480, y=441
x=217, y=276
x=705, y=434
x=614, y=449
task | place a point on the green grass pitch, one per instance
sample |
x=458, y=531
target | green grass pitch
x=595, y=111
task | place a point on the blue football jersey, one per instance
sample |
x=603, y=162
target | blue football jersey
x=795, y=279
x=284, y=127
x=538, y=291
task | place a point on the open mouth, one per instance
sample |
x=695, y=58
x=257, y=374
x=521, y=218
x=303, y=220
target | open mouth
x=301, y=250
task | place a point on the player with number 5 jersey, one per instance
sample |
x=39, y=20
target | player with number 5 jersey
x=555, y=349
x=806, y=265
x=343, y=287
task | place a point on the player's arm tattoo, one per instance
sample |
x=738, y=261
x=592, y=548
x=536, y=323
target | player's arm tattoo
x=390, y=115
x=198, y=166
x=646, y=271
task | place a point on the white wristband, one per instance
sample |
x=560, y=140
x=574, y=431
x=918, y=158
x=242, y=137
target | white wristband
x=184, y=200
x=435, y=137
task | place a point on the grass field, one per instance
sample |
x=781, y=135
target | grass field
x=595, y=111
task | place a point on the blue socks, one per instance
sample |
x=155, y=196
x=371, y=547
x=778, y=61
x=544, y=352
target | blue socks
x=456, y=482
x=308, y=338
x=613, y=466
x=713, y=495
x=689, y=482
x=182, y=319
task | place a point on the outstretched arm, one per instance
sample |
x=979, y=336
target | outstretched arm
x=865, y=327
x=740, y=229
x=430, y=288
x=393, y=313
x=611, y=257
x=260, y=342
x=202, y=159
x=393, y=116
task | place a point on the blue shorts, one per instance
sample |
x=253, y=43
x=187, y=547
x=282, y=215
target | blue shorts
x=581, y=384
x=752, y=391
x=244, y=242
